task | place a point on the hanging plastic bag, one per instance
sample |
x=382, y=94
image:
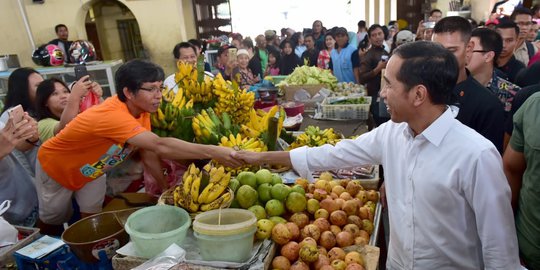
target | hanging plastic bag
x=88, y=101
x=8, y=233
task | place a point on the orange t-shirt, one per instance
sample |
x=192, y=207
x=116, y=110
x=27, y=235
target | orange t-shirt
x=91, y=144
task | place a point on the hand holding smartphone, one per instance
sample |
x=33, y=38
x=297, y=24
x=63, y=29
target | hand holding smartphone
x=80, y=71
x=16, y=113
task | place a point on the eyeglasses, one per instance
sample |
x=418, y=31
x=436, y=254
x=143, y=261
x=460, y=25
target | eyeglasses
x=153, y=90
x=480, y=51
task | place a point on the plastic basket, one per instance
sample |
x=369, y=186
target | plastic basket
x=345, y=111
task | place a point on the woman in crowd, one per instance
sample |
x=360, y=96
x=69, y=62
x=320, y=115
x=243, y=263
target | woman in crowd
x=323, y=61
x=243, y=75
x=18, y=159
x=289, y=60
x=56, y=105
x=22, y=85
x=318, y=34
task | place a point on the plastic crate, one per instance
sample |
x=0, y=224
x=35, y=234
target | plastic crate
x=345, y=111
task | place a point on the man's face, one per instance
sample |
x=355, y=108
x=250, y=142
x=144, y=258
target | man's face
x=376, y=37
x=188, y=55
x=148, y=98
x=308, y=41
x=524, y=22
x=397, y=98
x=342, y=39
x=454, y=43
x=62, y=33
x=509, y=38
x=478, y=58
x=435, y=17
x=533, y=33
x=260, y=42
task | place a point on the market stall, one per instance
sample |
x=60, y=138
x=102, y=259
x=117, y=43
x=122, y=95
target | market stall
x=252, y=217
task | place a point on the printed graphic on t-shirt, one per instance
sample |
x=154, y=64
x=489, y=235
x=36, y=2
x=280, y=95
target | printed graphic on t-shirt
x=114, y=156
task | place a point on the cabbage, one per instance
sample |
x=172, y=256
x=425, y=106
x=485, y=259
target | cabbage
x=309, y=75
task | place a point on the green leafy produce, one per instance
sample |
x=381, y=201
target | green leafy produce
x=309, y=75
x=360, y=100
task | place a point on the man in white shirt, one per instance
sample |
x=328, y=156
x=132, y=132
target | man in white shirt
x=183, y=52
x=448, y=199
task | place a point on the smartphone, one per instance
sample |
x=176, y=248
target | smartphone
x=429, y=25
x=384, y=58
x=17, y=113
x=80, y=71
x=232, y=54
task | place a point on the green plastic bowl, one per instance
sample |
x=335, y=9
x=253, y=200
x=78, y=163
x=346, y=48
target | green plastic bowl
x=153, y=229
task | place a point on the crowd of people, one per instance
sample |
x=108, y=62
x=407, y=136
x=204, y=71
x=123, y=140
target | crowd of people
x=460, y=153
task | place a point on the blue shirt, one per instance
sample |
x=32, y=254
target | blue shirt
x=342, y=65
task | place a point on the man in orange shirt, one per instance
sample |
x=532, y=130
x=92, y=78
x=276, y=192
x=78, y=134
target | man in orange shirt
x=74, y=162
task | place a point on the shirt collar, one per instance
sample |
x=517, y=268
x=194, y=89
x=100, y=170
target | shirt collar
x=438, y=129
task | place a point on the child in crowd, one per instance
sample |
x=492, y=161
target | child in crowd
x=273, y=64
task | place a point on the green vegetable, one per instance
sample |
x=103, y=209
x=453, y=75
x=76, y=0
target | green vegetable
x=309, y=75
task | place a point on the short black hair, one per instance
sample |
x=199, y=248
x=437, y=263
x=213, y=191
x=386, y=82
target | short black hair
x=224, y=48
x=184, y=45
x=362, y=24
x=58, y=26
x=454, y=24
x=373, y=27
x=134, y=73
x=44, y=91
x=431, y=65
x=520, y=11
x=433, y=11
x=490, y=40
x=507, y=25
x=17, y=92
x=309, y=35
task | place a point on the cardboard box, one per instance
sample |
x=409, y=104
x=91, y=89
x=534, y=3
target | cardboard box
x=312, y=89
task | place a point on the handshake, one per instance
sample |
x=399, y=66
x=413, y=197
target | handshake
x=234, y=159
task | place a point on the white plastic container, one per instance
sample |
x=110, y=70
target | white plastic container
x=229, y=240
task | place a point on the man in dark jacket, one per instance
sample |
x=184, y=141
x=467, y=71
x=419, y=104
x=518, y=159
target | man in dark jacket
x=62, y=41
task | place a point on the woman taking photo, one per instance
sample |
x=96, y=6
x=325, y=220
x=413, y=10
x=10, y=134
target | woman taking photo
x=56, y=105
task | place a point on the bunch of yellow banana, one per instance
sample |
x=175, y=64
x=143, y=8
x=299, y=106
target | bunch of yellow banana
x=233, y=100
x=200, y=92
x=186, y=72
x=258, y=121
x=215, y=194
x=208, y=127
x=242, y=143
x=314, y=136
x=214, y=189
x=187, y=194
x=173, y=116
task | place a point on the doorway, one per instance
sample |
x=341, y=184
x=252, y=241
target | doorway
x=112, y=27
x=411, y=11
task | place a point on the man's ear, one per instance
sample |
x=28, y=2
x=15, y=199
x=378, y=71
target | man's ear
x=489, y=56
x=128, y=94
x=421, y=95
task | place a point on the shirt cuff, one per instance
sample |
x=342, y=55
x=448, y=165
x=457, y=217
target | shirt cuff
x=300, y=162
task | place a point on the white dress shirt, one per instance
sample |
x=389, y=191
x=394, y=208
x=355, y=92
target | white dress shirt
x=448, y=198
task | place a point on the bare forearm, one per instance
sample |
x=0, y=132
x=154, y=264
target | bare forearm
x=275, y=158
x=70, y=112
x=175, y=149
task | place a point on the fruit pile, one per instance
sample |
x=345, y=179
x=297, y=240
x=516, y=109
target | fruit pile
x=173, y=117
x=203, y=190
x=349, y=88
x=337, y=214
x=242, y=143
x=314, y=136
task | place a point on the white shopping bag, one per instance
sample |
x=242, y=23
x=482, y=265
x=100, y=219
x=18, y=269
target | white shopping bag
x=8, y=233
